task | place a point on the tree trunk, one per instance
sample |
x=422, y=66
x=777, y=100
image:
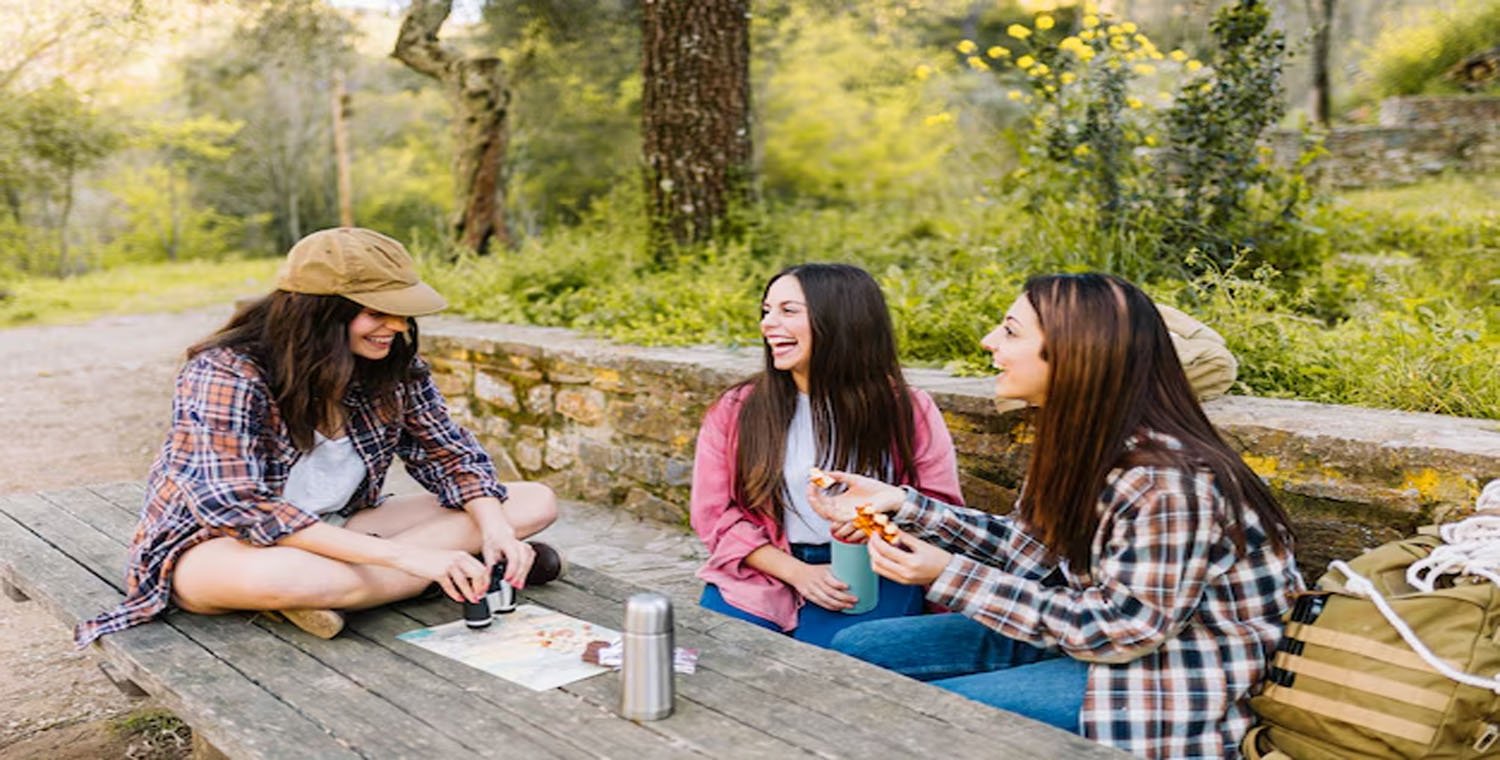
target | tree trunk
x=1320, y=18
x=341, y=151
x=481, y=100
x=695, y=116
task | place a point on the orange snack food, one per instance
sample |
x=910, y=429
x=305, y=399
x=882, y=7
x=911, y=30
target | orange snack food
x=820, y=478
x=874, y=524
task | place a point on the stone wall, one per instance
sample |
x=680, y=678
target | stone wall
x=616, y=425
x=1416, y=137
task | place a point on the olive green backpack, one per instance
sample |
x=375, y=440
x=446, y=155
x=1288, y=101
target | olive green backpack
x=1347, y=682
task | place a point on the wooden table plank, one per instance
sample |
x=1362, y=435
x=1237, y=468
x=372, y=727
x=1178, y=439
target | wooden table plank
x=1022, y=737
x=588, y=728
x=801, y=706
x=693, y=725
x=233, y=714
x=363, y=720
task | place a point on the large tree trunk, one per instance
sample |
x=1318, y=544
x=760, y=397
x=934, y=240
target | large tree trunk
x=481, y=99
x=696, y=116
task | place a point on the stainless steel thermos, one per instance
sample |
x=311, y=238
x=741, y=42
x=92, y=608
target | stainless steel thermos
x=646, y=687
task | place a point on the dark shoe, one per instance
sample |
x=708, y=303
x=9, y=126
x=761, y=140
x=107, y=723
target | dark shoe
x=548, y=565
x=325, y=624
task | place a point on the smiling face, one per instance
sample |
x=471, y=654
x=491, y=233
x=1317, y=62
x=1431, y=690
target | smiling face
x=1016, y=347
x=371, y=333
x=787, y=328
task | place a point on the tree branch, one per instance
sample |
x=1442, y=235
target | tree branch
x=417, y=44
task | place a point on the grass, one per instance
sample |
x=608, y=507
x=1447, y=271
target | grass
x=132, y=289
x=153, y=734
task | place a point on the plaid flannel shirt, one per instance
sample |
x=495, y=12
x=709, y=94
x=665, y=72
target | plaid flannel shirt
x=225, y=462
x=1176, y=624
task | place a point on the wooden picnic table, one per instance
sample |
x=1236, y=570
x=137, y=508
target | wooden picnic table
x=255, y=688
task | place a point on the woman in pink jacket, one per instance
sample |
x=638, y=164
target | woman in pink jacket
x=831, y=396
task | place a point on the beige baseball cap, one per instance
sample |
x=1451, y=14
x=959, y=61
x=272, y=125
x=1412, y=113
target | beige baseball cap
x=361, y=265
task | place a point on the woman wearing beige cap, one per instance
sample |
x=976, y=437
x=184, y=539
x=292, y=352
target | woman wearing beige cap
x=266, y=494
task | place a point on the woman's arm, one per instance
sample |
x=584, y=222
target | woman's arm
x=441, y=455
x=217, y=457
x=998, y=539
x=1147, y=582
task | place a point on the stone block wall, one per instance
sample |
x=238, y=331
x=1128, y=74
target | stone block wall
x=1416, y=137
x=616, y=425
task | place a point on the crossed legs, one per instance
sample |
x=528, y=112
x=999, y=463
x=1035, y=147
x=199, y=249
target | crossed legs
x=224, y=574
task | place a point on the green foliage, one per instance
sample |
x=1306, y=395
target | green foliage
x=1415, y=51
x=1157, y=184
x=130, y=289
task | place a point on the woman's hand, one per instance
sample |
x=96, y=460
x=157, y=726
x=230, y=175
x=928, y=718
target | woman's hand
x=910, y=561
x=858, y=491
x=497, y=540
x=846, y=532
x=462, y=578
x=816, y=584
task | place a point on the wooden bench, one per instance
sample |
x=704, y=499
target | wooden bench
x=254, y=688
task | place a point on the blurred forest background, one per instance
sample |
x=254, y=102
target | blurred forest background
x=166, y=154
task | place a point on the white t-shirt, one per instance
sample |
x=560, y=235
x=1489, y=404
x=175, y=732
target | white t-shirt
x=324, y=479
x=803, y=525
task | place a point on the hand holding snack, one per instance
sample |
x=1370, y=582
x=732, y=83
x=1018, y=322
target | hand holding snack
x=837, y=496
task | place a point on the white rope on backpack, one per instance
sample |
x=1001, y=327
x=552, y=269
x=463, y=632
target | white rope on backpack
x=1470, y=547
x=1355, y=583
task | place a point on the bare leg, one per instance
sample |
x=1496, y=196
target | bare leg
x=224, y=574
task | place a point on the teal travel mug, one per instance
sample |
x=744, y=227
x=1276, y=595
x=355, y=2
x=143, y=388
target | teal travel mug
x=851, y=564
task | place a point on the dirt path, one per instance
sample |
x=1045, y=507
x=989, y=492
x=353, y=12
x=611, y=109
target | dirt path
x=78, y=404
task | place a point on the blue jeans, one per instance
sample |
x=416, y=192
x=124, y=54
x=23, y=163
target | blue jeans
x=962, y=656
x=816, y=625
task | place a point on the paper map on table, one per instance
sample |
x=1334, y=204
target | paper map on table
x=535, y=647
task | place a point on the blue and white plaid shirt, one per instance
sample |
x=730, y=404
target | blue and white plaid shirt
x=1177, y=624
x=225, y=462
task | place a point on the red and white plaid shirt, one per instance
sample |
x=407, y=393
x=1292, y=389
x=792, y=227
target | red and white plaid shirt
x=1177, y=625
x=226, y=459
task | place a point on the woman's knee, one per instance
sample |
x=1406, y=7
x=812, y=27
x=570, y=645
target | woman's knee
x=530, y=507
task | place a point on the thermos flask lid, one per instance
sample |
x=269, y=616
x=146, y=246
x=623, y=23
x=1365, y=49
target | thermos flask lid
x=648, y=612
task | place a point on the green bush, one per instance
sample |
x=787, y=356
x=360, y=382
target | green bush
x=1415, y=51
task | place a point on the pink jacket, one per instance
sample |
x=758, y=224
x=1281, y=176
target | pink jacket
x=731, y=532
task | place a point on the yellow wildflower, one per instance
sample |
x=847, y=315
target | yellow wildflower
x=1086, y=54
x=967, y=47
x=1018, y=31
x=1025, y=62
x=1014, y=95
x=1119, y=43
x=1091, y=8
x=1155, y=54
x=1050, y=88
x=997, y=52
x=1112, y=64
x=938, y=118
x=1067, y=77
x=976, y=63
x=1082, y=150
x=922, y=72
x=1194, y=65
x=1178, y=56
x=1150, y=141
x=1131, y=57
x=1206, y=88
x=1086, y=35
x=1044, y=21
x=1090, y=21
x=1128, y=27
x=1140, y=39
x=1068, y=43
x=1133, y=102
x=1145, y=69
x=1113, y=29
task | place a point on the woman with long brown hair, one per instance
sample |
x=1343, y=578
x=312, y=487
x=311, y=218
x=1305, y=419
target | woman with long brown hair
x=1135, y=594
x=831, y=395
x=267, y=492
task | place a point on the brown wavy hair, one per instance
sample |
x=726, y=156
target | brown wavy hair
x=301, y=344
x=1113, y=373
x=861, y=407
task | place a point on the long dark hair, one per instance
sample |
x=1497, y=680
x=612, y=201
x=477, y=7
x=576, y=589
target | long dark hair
x=1113, y=373
x=301, y=343
x=861, y=408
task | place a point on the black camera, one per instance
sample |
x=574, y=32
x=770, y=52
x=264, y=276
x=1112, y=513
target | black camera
x=500, y=599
